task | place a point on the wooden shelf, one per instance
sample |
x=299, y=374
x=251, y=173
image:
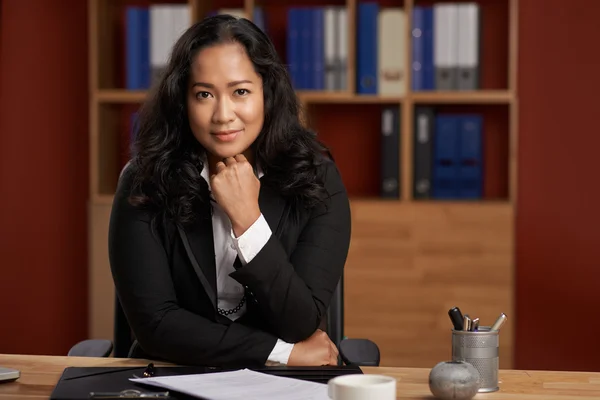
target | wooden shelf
x=119, y=96
x=471, y=97
x=315, y=97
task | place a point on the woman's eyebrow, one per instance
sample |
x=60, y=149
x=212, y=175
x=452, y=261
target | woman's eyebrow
x=211, y=86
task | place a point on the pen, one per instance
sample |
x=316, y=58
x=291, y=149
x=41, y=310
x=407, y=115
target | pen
x=467, y=323
x=475, y=324
x=129, y=394
x=456, y=317
x=499, y=322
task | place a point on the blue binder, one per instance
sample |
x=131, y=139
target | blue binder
x=306, y=42
x=446, y=156
x=458, y=157
x=366, y=48
x=470, y=185
x=293, y=46
x=427, y=67
x=137, y=48
x=318, y=49
x=418, y=48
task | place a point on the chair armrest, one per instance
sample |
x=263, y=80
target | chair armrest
x=91, y=348
x=361, y=352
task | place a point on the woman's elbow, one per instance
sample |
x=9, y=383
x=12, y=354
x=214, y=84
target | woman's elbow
x=146, y=342
x=151, y=337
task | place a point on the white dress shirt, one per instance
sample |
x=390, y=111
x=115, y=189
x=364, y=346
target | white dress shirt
x=247, y=246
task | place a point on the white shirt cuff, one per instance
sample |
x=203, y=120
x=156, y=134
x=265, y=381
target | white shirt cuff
x=253, y=240
x=281, y=353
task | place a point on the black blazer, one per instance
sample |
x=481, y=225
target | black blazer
x=165, y=278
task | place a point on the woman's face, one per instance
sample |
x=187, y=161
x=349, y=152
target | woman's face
x=225, y=100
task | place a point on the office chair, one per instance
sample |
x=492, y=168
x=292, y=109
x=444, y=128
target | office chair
x=361, y=352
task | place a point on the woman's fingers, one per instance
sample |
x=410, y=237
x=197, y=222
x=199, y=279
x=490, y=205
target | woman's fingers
x=229, y=161
x=220, y=166
x=240, y=158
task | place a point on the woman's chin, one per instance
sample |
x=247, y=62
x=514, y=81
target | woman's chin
x=226, y=153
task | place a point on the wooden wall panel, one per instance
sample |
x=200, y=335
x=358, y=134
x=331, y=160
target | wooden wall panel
x=101, y=288
x=409, y=264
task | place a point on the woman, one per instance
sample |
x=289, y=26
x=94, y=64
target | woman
x=230, y=226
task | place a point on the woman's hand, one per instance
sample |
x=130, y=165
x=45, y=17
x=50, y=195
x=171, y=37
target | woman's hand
x=235, y=188
x=317, y=350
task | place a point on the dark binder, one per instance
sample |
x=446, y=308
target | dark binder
x=423, y=152
x=390, y=153
x=76, y=383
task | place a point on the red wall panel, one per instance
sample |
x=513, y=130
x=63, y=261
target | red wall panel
x=43, y=175
x=558, y=217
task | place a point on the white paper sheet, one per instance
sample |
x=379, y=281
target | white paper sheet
x=240, y=385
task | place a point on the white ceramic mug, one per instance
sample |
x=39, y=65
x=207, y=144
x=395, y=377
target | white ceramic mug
x=361, y=387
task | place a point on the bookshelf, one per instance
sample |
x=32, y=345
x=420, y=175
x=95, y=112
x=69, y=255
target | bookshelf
x=410, y=259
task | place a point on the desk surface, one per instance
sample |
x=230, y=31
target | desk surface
x=39, y=374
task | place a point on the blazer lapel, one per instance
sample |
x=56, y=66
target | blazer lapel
x=199, y=246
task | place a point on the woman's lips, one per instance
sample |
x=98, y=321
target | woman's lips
x=227, y=136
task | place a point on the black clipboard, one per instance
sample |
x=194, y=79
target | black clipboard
x=76, y=383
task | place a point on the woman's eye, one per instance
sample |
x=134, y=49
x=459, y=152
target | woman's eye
x=242, y=92
x=202, y=95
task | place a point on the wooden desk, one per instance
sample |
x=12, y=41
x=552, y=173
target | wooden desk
x=39, y=374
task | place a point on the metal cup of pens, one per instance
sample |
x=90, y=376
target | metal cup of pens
x=477, y=345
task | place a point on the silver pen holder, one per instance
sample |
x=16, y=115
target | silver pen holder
x=481, y=349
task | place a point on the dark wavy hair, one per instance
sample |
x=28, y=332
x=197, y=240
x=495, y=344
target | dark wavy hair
x=167, y=157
